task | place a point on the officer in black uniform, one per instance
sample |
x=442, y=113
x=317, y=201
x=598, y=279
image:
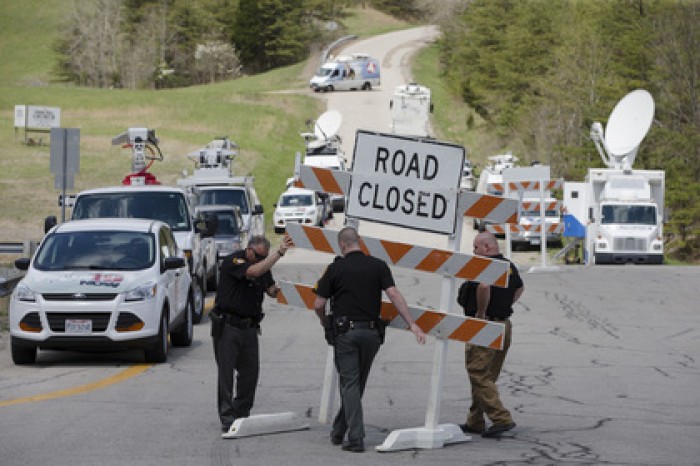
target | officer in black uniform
x=484, y=364
x=244, y=278
x=354, y=284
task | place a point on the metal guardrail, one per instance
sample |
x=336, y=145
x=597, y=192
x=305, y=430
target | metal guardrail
x=337, y=43
x=23, y=247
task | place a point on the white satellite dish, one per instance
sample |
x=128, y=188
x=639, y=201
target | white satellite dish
x=629, y=123
x=328, y=125
x=627, y=126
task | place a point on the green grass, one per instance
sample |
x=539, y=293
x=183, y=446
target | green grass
x=252, y=111
x=368, y=22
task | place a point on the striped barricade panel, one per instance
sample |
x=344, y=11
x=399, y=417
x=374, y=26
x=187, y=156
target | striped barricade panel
x=501, y=229
x=437, y=323
x=535, y=205
x=494, y=209
x=323, y=179
x=465, y=266
x=527, y=185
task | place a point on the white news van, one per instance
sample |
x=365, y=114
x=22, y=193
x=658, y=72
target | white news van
x=621, y=209
x=358, y=71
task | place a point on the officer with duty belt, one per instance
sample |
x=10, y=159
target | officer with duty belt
x=244, y=279
x=354, y=285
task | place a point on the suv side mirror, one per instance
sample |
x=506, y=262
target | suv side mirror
x=22, y=263
x=173, y=263
x=258, y=209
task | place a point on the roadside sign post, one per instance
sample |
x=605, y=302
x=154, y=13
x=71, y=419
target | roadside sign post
x=64, y=160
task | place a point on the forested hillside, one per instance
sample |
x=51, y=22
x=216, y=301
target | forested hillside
x=537, y=73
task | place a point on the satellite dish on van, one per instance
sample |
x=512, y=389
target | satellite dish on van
x=328, y=125
x=627, y=126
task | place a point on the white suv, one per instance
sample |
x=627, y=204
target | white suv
x=103, y=283
x=299, y=205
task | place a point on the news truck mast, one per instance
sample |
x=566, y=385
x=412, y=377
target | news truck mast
x=144, y=145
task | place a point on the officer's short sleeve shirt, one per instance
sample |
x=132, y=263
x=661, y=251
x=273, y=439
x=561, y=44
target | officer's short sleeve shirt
x=237, y=293
x=354, y=284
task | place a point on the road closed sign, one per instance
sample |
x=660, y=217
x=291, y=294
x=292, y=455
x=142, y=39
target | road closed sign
x=405, y=181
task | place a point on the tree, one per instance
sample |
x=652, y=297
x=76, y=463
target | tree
x=272, y=33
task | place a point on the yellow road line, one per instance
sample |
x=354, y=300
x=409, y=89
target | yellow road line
x=88, y=387
x=132, y=371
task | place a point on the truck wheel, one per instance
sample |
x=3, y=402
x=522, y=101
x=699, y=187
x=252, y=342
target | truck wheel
x=159, y=351
x=329, y=89
x=22, y=354
x=198, y=296
x=183, y=335
x=367, y=86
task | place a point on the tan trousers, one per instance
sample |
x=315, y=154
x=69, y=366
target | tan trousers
x=483, y=367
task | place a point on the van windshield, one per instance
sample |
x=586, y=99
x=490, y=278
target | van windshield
x=323, y=71
x=169, y=207
x=629, y=214
x=224, y=197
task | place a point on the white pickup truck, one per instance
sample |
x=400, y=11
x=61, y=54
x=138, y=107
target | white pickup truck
x=170, y=205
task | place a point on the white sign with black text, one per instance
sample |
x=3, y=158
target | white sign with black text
x=405, y=181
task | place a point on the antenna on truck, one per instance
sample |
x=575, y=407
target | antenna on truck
x=627, y=126
x=142, y=142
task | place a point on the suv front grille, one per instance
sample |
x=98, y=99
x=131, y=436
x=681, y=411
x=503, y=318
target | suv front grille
x=79, y=296
x=57, y=320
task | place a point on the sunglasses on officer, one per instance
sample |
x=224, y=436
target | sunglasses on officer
x=258, y=256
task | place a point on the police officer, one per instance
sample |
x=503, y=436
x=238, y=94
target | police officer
x=484, y=364
x=354, y=284
x=244, y=278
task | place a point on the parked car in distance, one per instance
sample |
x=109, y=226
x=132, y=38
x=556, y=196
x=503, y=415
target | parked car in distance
x=229, y=232
x=103, y=284
x=299, y=205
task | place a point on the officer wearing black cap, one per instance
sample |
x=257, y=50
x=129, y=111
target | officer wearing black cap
x=244, y=279
x=354, y=284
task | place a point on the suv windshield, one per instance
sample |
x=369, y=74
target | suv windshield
x=224, y=196
x=96, y=250
x=168, y=207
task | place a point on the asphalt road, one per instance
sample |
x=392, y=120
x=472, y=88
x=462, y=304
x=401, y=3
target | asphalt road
x=603, y=370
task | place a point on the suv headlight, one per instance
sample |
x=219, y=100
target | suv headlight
x=142, y=293
x=24, y=293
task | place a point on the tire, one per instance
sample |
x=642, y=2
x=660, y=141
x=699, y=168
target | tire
x=367, y=86
x=22, y=354
x=213, y=282
x=158, y=353
x=329, y=89
x=183, y=335
x=198, y=296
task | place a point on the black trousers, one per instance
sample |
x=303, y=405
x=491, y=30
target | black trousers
x=236, y=351
x=354, y=353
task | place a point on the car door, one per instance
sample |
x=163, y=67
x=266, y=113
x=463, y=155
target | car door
x=173, y=280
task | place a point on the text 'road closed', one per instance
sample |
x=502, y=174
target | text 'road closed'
x=406, y=182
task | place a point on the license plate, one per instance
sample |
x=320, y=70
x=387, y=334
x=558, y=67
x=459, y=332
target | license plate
x=78, y=326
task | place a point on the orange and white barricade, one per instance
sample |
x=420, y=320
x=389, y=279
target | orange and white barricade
x=436, y=323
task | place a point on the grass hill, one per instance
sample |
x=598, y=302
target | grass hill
x=251, y=111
